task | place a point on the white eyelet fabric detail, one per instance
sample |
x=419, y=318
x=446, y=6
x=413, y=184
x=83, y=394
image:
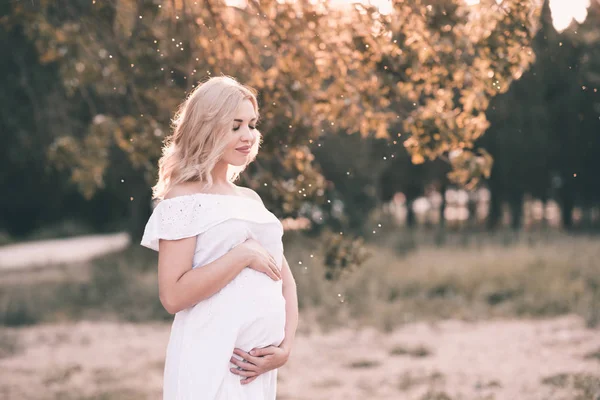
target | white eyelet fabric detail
x=191, y=215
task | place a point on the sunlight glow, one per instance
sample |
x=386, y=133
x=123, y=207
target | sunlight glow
x=384, y=6
x=563, y=11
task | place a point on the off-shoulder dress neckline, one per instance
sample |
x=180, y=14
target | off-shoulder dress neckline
x=213, y=195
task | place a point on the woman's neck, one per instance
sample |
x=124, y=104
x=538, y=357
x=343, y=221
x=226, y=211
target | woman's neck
x=220, y=174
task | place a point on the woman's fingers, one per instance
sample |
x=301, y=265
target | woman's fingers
x=246, y=356
x=241, y=372
x=276, y=269
x=266, y=269
x=246, y=381
x=270, y=264
x=273, y=266
x=269, y=267
x=242, y=364
x=272, y=273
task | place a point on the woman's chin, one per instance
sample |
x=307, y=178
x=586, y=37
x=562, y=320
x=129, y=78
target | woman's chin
x=238, y=161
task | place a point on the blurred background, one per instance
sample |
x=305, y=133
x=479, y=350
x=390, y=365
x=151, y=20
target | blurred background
x=434, y=162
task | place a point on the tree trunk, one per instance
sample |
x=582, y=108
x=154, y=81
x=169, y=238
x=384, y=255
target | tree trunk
x=495, y=211
x=441, y=233
x=567, y=203
x=140, y=208
x=410, y=213
x=516, y=210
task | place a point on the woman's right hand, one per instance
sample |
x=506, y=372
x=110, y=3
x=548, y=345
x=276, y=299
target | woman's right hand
x=260, y=259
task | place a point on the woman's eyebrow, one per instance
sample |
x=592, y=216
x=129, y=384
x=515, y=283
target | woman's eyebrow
x=241, y=120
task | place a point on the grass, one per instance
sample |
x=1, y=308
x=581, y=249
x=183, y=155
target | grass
x=9, y=344
x=410, y=380
x=586, y=386
x=416, y=352
x=119, y=286
x=362, y=364
x=432, y=395
x=594, y=355
x=542, y=279
x=539, y=278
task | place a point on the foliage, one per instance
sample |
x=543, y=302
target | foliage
x=318, y=69
x=342, y=254
x=450, y=59
x=543, y=136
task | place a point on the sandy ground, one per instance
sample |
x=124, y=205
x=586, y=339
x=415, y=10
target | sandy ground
x=505, y=359
x=58, y=251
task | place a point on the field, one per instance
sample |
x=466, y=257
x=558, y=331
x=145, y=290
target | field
x=482, y=318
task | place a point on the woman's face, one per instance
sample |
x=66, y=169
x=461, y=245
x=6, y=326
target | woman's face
x=244, y=135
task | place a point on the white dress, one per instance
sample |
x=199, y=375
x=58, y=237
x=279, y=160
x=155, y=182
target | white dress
x=247, y=313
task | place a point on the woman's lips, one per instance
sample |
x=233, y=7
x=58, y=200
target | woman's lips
x=244, y=150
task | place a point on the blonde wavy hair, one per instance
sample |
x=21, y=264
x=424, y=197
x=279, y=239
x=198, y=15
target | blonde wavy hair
x=202, y=127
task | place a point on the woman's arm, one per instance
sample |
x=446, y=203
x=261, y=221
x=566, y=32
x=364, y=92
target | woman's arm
x=180, y=286
x=291, y=307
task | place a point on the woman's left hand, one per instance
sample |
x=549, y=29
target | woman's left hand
x=258, y=361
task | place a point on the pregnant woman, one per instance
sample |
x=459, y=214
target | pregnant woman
x=221, y=268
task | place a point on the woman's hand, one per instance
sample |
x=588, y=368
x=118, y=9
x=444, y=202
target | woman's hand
x=260, y=259
x=258, y=361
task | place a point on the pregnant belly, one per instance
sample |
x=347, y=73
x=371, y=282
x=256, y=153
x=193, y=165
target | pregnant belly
x=259, y=304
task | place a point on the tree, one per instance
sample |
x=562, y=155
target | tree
x=543, y=134
x=572, y=112
x=129, y=63
x=450, y=60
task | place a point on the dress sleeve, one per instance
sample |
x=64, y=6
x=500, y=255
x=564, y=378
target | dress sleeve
x=176, y=218
x=190, y=215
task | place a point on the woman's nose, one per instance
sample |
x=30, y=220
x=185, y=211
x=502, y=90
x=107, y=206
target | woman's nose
x=247, y=136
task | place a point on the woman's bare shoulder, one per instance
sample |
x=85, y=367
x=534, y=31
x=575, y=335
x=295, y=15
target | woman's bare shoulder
x=250, y=193
x=181, y=189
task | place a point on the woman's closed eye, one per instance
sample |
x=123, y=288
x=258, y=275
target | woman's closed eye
x=253, y=127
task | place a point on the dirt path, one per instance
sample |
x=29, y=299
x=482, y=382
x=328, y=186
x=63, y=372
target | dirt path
x=449, y=360
x=59, y=251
